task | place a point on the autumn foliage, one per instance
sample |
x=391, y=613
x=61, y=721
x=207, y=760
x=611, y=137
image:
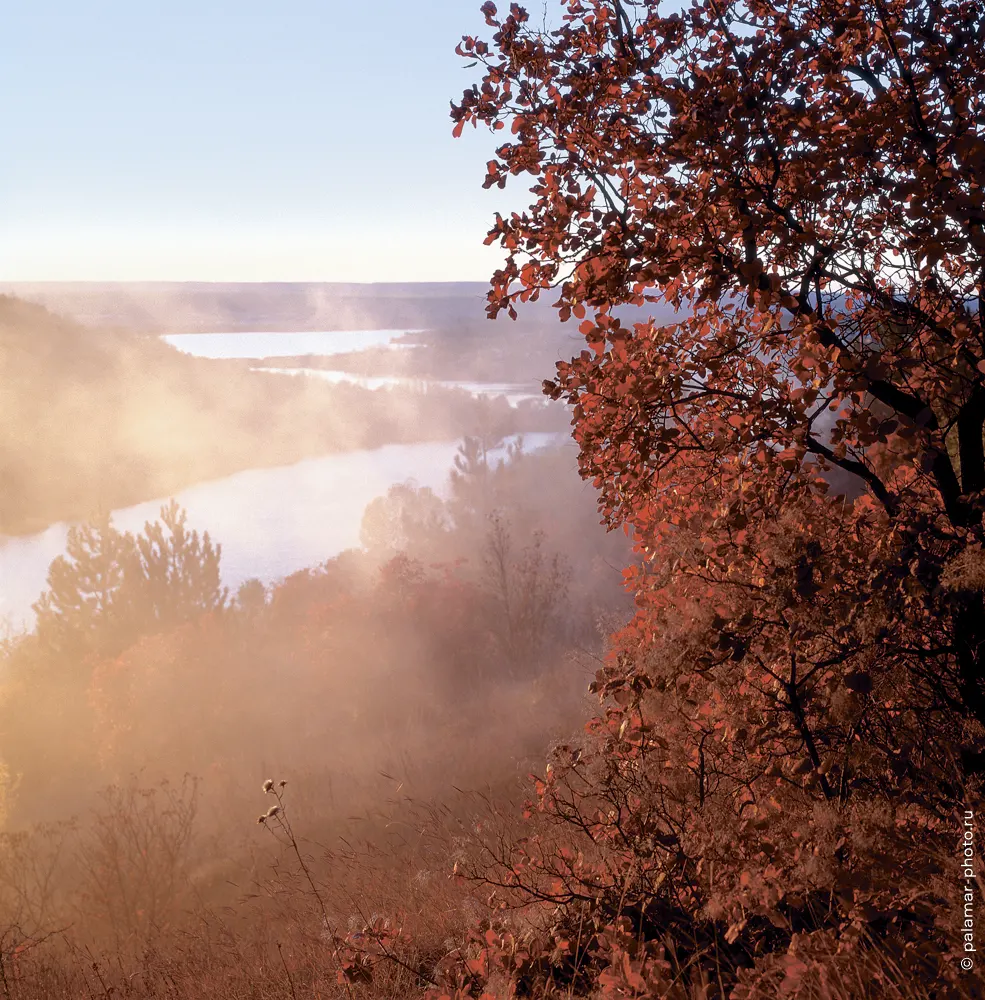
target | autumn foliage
x=794, y=718
x=790, y=741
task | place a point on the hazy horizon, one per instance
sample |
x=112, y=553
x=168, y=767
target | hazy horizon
x=595, y=614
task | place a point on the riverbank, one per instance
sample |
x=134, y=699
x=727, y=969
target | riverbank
x=271, y=522
x=96, y=420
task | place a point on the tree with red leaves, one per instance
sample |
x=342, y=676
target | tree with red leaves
x=805, y=182
x=796, y=710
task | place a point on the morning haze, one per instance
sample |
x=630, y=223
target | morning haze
x=381, y=577
x=497, y=522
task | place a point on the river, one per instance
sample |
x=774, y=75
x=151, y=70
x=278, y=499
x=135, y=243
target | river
x=270, y=522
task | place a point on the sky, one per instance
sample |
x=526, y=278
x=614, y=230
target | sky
x=237, y=140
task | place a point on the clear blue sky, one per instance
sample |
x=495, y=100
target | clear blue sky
x=239, y=140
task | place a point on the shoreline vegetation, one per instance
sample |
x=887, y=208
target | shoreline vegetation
x=467, y=354
x=97, y=419
x=700, y=716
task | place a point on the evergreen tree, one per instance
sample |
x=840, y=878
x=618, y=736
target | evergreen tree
x=112, y=586
x=85, y=603
x=175, y=575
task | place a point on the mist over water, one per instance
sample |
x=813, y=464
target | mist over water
x=270, y=522
x=514, y=393
x=381, y=579
x=279, y=345
x=274, y=521
x=608, y=628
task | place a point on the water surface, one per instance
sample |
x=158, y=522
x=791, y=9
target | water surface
x=271, y=522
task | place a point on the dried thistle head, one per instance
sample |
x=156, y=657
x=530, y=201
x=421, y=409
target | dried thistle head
x=282, y=783
x=272, y=811
x=262, y=819
x=268, y=786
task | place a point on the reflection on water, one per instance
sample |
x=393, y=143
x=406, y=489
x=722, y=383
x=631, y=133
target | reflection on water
x=514, y=392
x=270, y=522
x=282, y=345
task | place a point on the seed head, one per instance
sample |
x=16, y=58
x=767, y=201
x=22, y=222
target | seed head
x=268, y=786
x=262, y=819
x=272, y=811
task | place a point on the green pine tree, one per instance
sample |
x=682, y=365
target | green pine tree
x=111, y=587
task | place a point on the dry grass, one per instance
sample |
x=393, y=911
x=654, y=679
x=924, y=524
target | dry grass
x=148, y=913
x=267, y=921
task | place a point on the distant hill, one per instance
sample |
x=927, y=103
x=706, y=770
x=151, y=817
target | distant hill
x=174, y=307
x=186, y=307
